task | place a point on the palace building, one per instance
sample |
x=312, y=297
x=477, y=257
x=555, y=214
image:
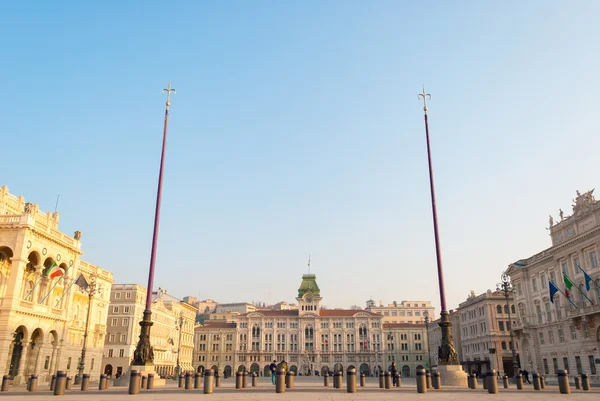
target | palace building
x=43, y=313
x=311, y=339
x=561, y=333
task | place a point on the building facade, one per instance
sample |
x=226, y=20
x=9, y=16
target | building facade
x=403, y=312
x=43, y=318
x=310, y=339
x=172, y=331
x=238, y=307
x=484, y=333
x=561, y=335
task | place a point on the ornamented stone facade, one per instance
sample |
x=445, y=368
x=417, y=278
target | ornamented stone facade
x=310, y=339
x=403, y=312
x=42, y=319
x=169, y=314
x=560, y=335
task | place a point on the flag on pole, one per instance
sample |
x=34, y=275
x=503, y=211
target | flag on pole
x=588, y=279
x=82, y=282
x=568, y=286
x=553, y=290
x=54, y=271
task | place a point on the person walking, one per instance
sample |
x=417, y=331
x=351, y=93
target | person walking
x=273, y=368
x=526, y=375
x=394, y=372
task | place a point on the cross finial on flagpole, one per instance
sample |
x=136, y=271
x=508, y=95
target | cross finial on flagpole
x=424, y=96
x=169, y=90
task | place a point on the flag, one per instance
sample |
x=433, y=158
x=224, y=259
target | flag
x=568, y=286
x=553, y=290
x=82, y=282
x=588, y=280
x=53, y=271
x=171, y=341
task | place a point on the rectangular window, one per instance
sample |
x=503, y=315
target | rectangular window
x=111, y=338
x=592, y=364
x=561, y=335
x=543, y=282
x=546, y=370
x=113, y=322
x=519, y=289
x=123, y=338
x=541, y=338
x=127, y=295
x=548, y=313
x=534, y=284
x=125, y=322
x=578, y=364
x=593, y=260
x=555, y=365
x=47, y=363
x=115, y=309
x=121, y=353
x=573, y=334
x=538, y=310
x=117, y=295
x=565, y=270
x=566, y=363
x=501, y=326
x=126, y=309
x=110, y=353
x=552, y=277
x=551, y=336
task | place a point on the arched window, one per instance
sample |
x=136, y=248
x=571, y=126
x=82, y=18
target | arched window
x=512, y=309
x=506, y=309
x=498, y=309
x=503, y=344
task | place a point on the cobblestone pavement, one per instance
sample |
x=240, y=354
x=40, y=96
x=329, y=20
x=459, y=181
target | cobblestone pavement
x=306, y=388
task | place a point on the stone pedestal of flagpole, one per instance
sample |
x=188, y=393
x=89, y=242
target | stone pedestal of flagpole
x=144, y=370
x=452, y=375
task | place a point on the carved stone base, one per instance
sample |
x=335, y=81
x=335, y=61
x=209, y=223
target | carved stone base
x=144, y=370
x=452, y=375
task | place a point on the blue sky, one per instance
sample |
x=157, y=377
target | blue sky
x=296, y=129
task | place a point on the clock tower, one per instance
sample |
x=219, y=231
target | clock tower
x=309, y=296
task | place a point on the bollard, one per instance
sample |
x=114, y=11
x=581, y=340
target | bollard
x=363, y=379
x=33, y=383
x=577, y=383
x=536, y=381
x=381, y=380
x=326, y=379
x=519, y=380
x=134, y=382
x=52, y=382
x=209, y=374
x=336, y=376
x=144, y=382
x=85, y=382
x=505, y=381
x=254, y=379
x=188, y=381
x=181, y=380
x=585, y=382
x=492, y=382
x=101, y=382
x=435, y=380
x=106, y=382
x=421, y=381
x=470, y=381
x=280, y=381
x=542, y=382
x=563, y=382
x=197, y=378
x=351, y=380
x=387, y=379
x=6, y=381
x=61, y=381
x=68, y=384
x=428, y=379
x=217, y=379
x=289, y=383
x=484, y=381
x=28, y=383
x=398, y=380
x=238, y=380
x=244, y=379
x=474, y=381
x=150, y=383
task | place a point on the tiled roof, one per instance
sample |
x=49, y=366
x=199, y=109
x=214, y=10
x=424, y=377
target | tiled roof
x=274, y=313
x=402, y=325
x=218, y=325
x=345, y=312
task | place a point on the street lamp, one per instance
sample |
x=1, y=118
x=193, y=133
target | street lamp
x=177, y=367
x=427, y=333
x=506, y=287
x=91, y=290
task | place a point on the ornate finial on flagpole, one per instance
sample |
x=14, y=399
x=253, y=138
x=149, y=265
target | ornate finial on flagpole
x=169, y=90
x=425, y=96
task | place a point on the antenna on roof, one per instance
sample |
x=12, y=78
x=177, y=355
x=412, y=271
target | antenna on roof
x=56, y=207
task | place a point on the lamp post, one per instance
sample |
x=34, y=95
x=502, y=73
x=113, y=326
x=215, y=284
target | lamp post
x=177, y=367
x=91, y=290
x=447, y=353
x=427, y=333
x=144, y=353
x=506, y=287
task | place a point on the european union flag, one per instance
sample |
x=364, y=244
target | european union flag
x=553, y=290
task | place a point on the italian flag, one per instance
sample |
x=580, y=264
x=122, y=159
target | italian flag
x=568, y=286
x=54, y=271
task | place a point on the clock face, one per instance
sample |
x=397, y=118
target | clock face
x=309, y=298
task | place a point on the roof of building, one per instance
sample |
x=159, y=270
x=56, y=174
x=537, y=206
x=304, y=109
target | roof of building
x=271, y=312
x=309, y=285
x=217, y=325
x=402, y=325
x=345, y=312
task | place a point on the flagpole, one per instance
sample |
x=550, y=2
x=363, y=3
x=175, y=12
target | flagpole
x=587, y=275
x=36, y=283
x=66, y=291
x=564, y=295
x=579, y=289
x=57, y=281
